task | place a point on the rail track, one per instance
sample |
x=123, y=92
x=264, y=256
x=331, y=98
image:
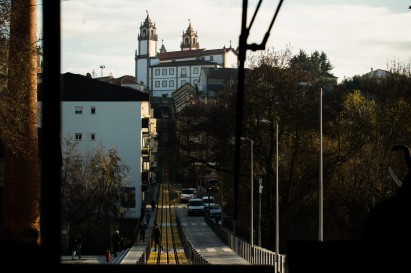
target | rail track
x=166, y=217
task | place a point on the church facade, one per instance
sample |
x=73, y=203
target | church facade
x=163, y=72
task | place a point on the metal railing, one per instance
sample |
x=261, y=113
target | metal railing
x=252, y=253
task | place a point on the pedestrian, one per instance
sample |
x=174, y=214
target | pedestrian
x=79, y=243
x=115, y=241
x=153, y=204
x=143, y=227
x=157, y=237
x=73, y=245
x=148, y=216
x=142, y=210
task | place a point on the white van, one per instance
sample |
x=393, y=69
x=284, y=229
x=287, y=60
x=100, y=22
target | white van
x=195, y=207
x=186, y=194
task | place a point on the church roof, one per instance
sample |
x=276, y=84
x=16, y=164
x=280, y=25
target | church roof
x=186, y=63
x=192, y=53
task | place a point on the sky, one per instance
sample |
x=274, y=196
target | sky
x=356, y=35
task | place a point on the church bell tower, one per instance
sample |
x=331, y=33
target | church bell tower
x=190, y=39
x=147, y=49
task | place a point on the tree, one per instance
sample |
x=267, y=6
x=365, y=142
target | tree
x=19, y=127
x=317, y=63
x=92, y=186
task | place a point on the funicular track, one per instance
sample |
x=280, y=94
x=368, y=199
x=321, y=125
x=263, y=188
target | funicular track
x=166, y=217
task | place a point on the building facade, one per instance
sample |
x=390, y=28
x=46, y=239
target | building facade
x=164, y=72
x=95, y=112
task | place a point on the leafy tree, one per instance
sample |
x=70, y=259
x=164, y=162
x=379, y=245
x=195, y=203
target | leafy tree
x=316, y=63
x=362, y=119
x=91, y=188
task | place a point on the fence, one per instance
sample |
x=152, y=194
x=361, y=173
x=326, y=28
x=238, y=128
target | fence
x=253, y=254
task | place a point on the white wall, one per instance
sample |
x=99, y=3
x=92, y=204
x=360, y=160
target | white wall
x=116, y=125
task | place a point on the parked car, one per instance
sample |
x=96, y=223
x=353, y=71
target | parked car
x=186, y=194
x=195, y=207
x=208, y=201
x=215, y=211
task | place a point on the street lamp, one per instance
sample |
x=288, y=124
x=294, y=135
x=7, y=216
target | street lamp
x=252, y=193
x=277, y=203
x=320, y=186
x=321, y=210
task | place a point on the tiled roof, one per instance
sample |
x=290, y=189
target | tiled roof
x=187, y=63
x=192, y=53
x=181, y=54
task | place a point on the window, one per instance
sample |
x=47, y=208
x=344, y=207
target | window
x=183, y=72
x=195, y=70
x=92, y=136
x=164, y=83
x=93, y=110
x=146, y=166
x=79, y=110
x=211, y=58
x=171, y=71
x=164, y=71
x=157, y=83
x=128, y=197
x=212, y=93
x=171, y=83
x=157, y=72
x=78, y=163
x=79, y=136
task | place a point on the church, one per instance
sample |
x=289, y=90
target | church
x=162, y=72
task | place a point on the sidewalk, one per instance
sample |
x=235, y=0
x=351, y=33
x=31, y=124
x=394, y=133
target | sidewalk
x=94, y=259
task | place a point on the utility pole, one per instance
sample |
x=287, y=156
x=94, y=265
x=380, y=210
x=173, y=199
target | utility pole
x=242, y=48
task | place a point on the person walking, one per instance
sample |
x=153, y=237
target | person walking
x=73, y=245
x=115, y=241
x=79, y=243
x=148, y=216
x=153, y=204
x=142, y=227
x=157, y=237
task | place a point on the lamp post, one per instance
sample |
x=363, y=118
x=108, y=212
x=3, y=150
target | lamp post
x=321, y=184
x=260, y=191
x=321, y=210
x=277, y=203
x=252, y=193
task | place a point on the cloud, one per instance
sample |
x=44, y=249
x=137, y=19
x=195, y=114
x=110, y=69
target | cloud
x=354, y=36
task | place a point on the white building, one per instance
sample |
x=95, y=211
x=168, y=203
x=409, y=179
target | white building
x=95, y=112
x=164, y=72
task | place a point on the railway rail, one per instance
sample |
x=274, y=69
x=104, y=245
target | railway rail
x=166, y=218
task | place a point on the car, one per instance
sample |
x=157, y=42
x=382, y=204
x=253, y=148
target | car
x=215, y=211
x=208, y=201
x=212, y=185
x=195, y=207
x=186, y=194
